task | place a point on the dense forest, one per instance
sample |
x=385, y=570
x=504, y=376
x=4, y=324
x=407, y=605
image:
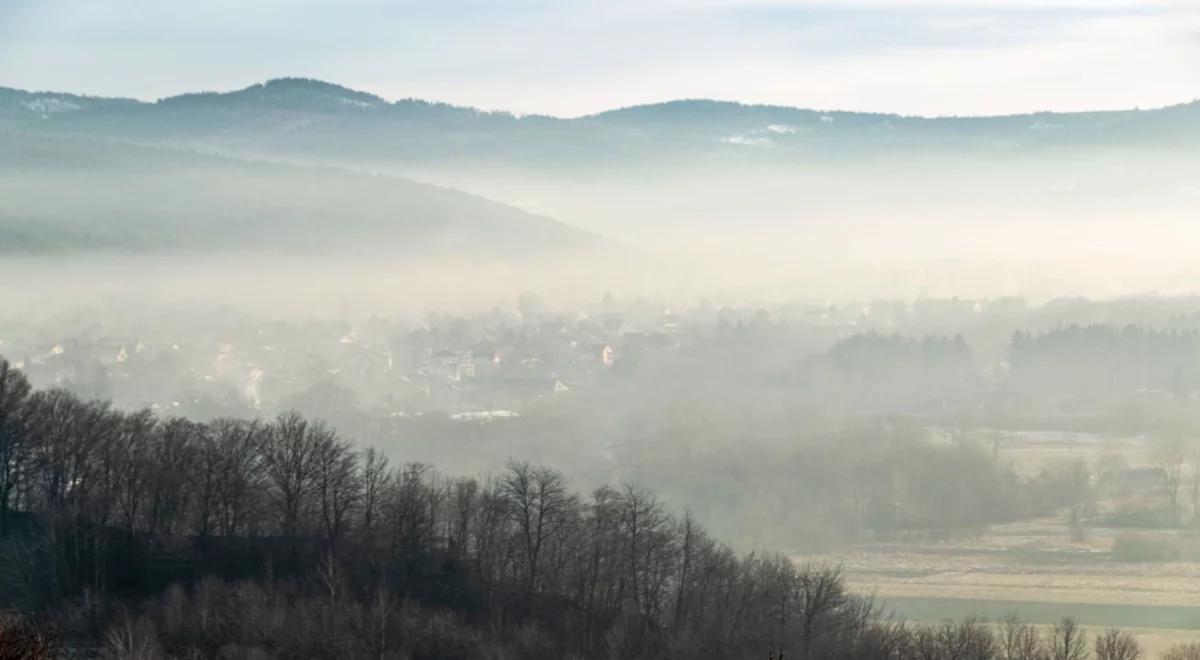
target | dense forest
x=130, y=536
x=1105, y=359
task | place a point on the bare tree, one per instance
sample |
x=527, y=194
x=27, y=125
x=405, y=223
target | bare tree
x=1171, y=455
x=967, y=640
x=1188, y=651
x=690, y=536
x=1078, y=479
x=378, y=615
x=205, y=481
x=15, y=450
x=337, y=484
x=539, y=505
x=491, y=534
x=1067, y=641
x=464, y=499
x=820, y=593
x=133, y=638
x=1019, y=641
x=68, y=431
x=241, y=475
x=167, y=493
x=409, y=505
x=1114, y=644
x=1194, y=460
x=135, y=443
x=645, y=534
x=289, y=462
x=106, y=466
x=375, y=477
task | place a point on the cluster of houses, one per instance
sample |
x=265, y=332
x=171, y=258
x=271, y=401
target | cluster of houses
x=473, y=367
x=470, y=367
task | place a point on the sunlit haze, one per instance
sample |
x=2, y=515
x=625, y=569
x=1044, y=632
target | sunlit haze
x=928, y=57
x=600, y=330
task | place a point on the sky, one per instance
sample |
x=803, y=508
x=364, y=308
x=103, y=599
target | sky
x=573, y=57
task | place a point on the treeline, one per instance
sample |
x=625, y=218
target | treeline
x=872, y=373
x=1100, y=359
x=884, y=479
x=934, y=374
x=255, y=620
x=1097, y=376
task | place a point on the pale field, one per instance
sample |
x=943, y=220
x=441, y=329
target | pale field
x=993, y=578
x=1032, y=567
x=1032, y=451
x=1158, y=602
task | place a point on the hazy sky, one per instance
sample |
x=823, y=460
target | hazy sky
x=571, y=57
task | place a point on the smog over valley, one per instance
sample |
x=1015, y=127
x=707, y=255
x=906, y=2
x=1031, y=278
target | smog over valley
x=647, y=330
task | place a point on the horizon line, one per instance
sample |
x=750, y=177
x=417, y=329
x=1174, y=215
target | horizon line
x=649, y=104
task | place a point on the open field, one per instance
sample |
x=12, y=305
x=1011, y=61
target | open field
x=1033, y=567
x=1049, y=575
x=1032, y=451
x=1158, y=602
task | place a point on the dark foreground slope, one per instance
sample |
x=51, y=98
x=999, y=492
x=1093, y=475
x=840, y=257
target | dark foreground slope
x=138, y=537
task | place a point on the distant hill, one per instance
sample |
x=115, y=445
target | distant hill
x=66, y=194
x=296, y=164
x=293, y=117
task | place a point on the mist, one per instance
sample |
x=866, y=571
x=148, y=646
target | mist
x=695, y=379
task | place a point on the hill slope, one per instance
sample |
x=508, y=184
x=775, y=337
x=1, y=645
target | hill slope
x=66, y=193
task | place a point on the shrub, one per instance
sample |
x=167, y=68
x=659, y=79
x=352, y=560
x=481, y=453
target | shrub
x=1138, y=519
x=1144, y=547
x=1189, y=651
x=21, y=640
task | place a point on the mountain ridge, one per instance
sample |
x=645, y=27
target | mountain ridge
x=309, y=85
x=311, y=120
